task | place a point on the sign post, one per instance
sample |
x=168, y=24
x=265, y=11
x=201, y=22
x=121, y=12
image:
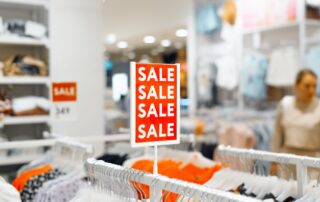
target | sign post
x=155, y=106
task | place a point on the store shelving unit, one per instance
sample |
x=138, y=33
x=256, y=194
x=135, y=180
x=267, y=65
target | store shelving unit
x=21, y=120
x=22, y=41
x=270, y=28
x=26, y=3
x=256, y=36
x=261, y=35
x=25, y=80
x=32, y=126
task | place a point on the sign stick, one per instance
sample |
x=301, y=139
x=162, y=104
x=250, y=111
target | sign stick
x=155, y=162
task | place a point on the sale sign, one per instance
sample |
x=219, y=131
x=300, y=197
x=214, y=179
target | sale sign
x=155, y=104
x=64, y=97
x=62, y=92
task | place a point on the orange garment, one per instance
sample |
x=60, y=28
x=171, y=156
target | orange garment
x=173, y=169
x=23, y=178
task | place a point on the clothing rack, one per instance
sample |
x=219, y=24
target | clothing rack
x=301, y=162
x=189, y=138
x=106, y=173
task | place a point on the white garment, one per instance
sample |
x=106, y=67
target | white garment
x=89, y=194
x=228, y=32
x=283, y=68
x=227, y=72
x=30, y=102
x=8, y=193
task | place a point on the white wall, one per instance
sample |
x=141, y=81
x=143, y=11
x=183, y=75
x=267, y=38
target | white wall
x=77, y=55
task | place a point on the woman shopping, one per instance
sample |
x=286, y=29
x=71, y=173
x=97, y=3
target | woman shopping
x=297, y=127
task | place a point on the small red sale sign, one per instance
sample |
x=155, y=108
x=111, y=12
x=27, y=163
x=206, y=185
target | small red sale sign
x=155, y=104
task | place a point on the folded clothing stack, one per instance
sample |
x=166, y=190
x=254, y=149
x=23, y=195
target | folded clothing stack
x=30, y=105
x=21, y=65
x=25, y=28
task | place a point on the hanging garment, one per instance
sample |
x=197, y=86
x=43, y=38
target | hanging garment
x=8, y=193
x=254, y=71
x=22, y=179
x=237, y=135
x=227, y=76
x=113, y=158
x=297, y=126
x=176, y=170
x=313, y=62
x=206, y=83
x=283, y=68
x=229, y=12
x=63, y=188
x=35, y=183
x=207, y=19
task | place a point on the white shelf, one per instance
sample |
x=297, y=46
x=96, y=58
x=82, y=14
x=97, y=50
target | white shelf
x=20, y=120
x=25, y=3
x=24, y=80
x=14, y=160
x=22, y=41
x=270, y=28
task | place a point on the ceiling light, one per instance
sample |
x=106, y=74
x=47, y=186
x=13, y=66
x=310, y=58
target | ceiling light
x=122, y=44
x=165, y=43
x=111, y=38
x=181, y=33
x=149, y=39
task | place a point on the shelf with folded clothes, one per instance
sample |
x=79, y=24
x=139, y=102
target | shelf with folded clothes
x=23, y=41
x=18, y=120
x=30, y=80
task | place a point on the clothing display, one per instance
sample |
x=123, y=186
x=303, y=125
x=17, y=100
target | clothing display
x=253, y=75
x=283, y=68
x=228, y=75
x=113, y=158
x=229, y=12
x=25, y=28
x=187, y=166
x=31, y=105
x=297, y=127
x=206, y=84
x=237, y=135
x=30, y=189
x=207, y=19
x=21, y=65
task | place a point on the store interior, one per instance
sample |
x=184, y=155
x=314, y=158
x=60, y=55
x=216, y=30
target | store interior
x=249, y=108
